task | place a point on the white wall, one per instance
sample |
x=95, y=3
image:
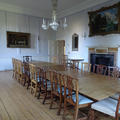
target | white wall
x=23, y=23
x=78, y=23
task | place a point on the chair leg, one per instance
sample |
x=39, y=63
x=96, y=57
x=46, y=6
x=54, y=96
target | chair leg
x=39, y=92
x=28, y=84
x=31, y=88
x=65, y=108
x=76, y=113
x=91, y=114
x=45, y=97
x=35, y=92
x=24, y=82
x=117, y=117
x=60, y=105
x=51, y=101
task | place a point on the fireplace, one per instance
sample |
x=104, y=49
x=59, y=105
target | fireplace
x=103, y=56
x=103, y=59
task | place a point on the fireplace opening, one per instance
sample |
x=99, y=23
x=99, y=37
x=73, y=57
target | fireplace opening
x=102, y=59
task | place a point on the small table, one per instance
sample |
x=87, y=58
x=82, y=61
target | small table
x=76, y=62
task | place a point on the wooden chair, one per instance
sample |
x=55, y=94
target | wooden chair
x=64, y=59
x=27, y=58
x=75, y=65
x=100, y=69
x=34, y=88
x=54, y=59
x=45, y=84
x=107, y=106
x=57, y=89
x=113, y=71
x=13, y=63
x=19, y=67
x=85, y=67
x=74, y=98
x=26, y=75
x=15, y=69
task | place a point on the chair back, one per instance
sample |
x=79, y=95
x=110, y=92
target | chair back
x=85, y=66
x=33, y=72
x=43, y=78
x=113, y=71
x=71, y=85
x=27, y=58
x=100, y=69
x=56, y=82
x=54, y=59
x=13, y=63
x=26, y=69
x=19, y=67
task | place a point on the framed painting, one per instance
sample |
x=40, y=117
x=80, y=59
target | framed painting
x=105, y=20
x=18, y=40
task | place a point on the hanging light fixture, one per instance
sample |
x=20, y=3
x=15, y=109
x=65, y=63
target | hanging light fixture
x=54, y=24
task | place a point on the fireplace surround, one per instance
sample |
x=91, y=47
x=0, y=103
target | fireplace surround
x=104, y=56
x=102, y=59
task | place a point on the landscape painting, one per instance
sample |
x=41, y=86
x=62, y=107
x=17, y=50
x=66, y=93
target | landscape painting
x=105, y=21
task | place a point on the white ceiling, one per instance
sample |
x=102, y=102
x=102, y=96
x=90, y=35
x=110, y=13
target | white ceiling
x=42, y=8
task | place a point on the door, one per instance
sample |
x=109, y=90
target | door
x=56, y=49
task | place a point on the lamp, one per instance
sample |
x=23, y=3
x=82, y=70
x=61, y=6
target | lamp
x=54, y=24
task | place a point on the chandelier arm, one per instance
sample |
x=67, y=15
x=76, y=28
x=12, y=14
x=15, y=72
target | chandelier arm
x=54, y=24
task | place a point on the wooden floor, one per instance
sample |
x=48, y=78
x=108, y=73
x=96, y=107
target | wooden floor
x=16, y=103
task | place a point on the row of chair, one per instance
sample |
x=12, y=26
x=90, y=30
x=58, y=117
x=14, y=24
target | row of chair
x=54, y=85
x=106, y=70
x=57, y=86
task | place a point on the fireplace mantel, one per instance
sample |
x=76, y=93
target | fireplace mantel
x=103, y=50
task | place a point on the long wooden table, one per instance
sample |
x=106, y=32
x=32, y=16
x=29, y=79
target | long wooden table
x=94, y=85
x=54, y=66
x=90, y=84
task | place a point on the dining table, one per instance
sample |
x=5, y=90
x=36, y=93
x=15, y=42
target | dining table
x=95, y=86
x=92, y=85
x=76, y=62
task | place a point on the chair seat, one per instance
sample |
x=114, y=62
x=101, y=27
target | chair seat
x=116, y=96
x=82, y=99
x=107, y=106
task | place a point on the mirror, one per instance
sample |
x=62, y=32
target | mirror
x=75, y=39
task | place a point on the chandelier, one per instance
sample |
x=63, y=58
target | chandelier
x=54, y=24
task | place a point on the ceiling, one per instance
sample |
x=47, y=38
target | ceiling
x=42, y=8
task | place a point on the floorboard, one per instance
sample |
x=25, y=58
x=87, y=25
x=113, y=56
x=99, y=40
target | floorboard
x=16, y=103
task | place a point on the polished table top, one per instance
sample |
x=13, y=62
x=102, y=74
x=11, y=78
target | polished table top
x=94, y=85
